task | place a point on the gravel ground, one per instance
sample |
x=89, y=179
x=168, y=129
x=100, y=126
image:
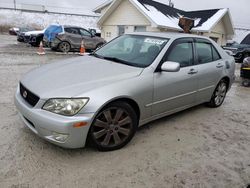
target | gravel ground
x=200, y=147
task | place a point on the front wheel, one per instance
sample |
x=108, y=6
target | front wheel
x=113, y=127
x=218, y=95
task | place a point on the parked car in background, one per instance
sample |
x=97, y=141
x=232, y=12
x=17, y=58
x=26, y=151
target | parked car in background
x=35, y=39
x=130, y=81
x=13, y=31
x=68, y=38
x=25, y=36
x=21, y=32
x=239, y=51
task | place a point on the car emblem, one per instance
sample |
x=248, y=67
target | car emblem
x=25, y=94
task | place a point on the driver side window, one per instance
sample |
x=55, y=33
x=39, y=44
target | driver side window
x=182, y=53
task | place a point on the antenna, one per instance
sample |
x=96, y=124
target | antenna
x=171, y=4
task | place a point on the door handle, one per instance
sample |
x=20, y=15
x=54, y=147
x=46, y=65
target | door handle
x=219, y=65
x=192, y=71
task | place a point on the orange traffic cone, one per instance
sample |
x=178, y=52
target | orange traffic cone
x=82, y=48
x=41, y=49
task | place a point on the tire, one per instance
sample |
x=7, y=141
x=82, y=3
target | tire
x=245, y=55
x=113, y=127
x=64, y=47
x=219, y=95
x=246, y=83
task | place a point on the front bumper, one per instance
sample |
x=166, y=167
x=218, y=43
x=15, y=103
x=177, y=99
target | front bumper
x=45, y=124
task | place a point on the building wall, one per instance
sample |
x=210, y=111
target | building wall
x=125, y=14
x=219, y=32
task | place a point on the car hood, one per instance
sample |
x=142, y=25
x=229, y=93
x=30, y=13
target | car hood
x=33, y=32
x=75, y=76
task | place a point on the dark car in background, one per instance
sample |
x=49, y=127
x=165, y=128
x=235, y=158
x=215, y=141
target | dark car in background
x=35, y=39
x=239, y=51
x=26, y=35
x=68, y=38
x=21, y=33
x=13, y=30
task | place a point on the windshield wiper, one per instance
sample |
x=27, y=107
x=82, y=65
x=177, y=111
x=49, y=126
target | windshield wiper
x=115, y=59
x=96, y=55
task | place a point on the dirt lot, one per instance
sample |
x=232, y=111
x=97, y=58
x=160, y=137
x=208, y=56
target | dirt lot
x=200, y=147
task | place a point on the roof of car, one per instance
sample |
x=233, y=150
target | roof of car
x=171, y=35
x=72, y=26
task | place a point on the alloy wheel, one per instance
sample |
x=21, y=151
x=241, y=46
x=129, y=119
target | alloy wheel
x=64, y=47
x=220, y=93
x=112, y=127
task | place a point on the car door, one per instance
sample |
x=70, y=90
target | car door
x=210, y=67
x=74, y=37
x=89, y=42
x=174, y=91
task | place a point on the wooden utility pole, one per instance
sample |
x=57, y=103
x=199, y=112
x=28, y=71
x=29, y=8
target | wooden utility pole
x=15, y=4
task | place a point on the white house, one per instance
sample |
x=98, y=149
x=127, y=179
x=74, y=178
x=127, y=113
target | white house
x=122, y=16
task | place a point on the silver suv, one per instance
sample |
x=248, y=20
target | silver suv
x=132, y=80
x=68, y=38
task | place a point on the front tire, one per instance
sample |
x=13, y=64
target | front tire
x=219, y=94
x=113, y=127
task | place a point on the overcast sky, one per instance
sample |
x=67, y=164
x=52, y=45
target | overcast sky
x=239, y=9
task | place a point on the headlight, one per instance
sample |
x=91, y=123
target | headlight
x=66, y=107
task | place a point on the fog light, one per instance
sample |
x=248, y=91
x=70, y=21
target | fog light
x=59, y=137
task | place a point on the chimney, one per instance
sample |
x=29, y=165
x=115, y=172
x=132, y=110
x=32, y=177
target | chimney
x=186, y=24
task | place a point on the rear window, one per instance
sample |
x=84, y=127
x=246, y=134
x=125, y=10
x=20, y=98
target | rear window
x=51, y=32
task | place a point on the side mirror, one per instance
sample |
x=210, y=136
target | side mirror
x=170, y=66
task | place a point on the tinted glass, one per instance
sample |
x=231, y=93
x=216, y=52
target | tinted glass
x=85, y=33
x=204, y=52
x=216, y=55
x=71, y=30
x=182, y=53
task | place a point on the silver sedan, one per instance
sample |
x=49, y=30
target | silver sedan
x=134, y=79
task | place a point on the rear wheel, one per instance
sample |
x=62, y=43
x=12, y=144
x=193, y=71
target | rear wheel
x=113, y=127
x=219, y=94
x=64, y=47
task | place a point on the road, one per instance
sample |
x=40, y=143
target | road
x=200, y=147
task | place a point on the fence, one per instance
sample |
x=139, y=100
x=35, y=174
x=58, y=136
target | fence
x=48, y=9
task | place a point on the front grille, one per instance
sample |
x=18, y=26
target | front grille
x=28, y=96
x=26, y=38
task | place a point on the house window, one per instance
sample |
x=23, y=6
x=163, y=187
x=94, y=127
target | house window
x=121, y=30
x=140, y=28
x=108, y=34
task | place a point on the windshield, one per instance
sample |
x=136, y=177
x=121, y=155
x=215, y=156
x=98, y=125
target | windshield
x=134, y=50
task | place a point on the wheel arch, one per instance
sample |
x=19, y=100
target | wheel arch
x=227, y=79
x=127, y=100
